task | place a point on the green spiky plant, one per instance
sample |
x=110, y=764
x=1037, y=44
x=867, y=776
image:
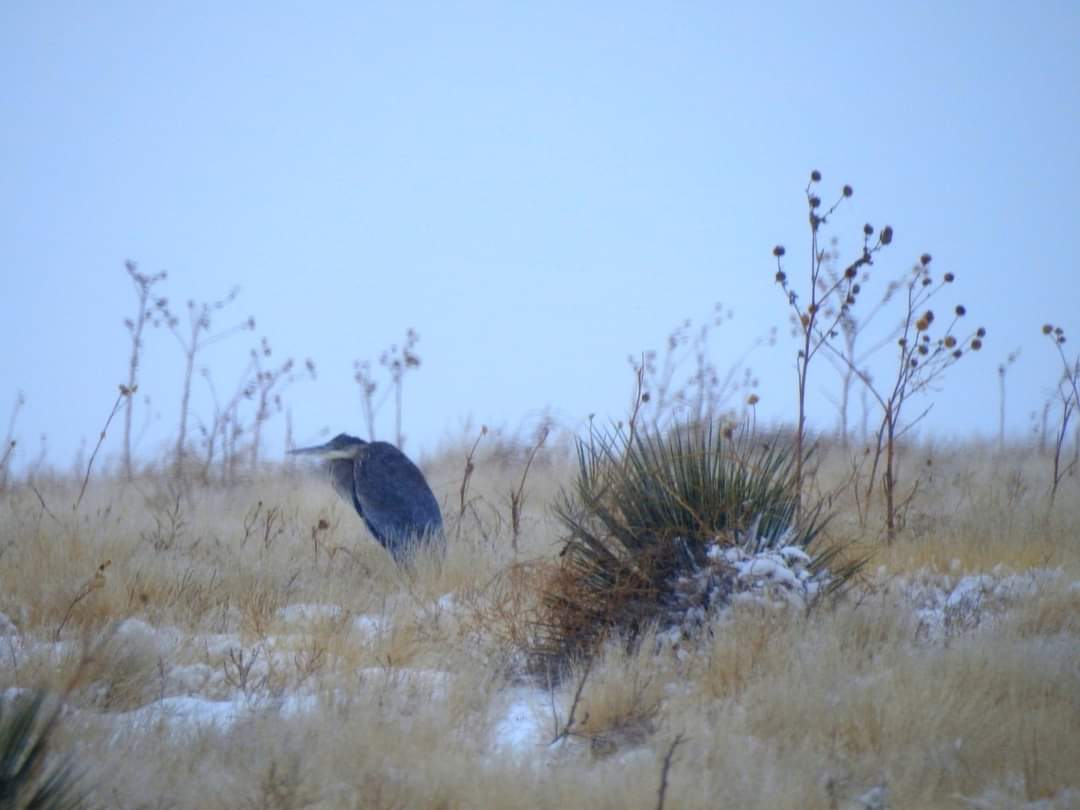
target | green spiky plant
x=644, y=510
x=28, y=781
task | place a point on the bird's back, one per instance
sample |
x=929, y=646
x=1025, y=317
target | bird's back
x=393, y=498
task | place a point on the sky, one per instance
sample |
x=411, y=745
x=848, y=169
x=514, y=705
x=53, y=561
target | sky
x=538, y=189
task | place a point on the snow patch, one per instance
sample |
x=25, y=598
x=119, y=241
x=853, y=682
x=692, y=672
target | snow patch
x=522, y=727
x=308, y=612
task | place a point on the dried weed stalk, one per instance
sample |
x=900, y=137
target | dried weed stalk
x=8, y=451
x=397, y=360
x=821, y=317
x=193, y=340
x=1067, y=394
x=145, y=313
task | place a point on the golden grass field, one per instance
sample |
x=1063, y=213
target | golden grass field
x=252, y=647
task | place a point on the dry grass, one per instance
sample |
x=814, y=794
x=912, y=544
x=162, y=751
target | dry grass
x=349, y=683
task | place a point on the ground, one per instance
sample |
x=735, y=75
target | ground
x=251, y=646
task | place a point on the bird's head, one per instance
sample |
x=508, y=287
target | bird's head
x=341, y=446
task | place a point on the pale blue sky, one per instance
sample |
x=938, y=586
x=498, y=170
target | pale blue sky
x=539, y=189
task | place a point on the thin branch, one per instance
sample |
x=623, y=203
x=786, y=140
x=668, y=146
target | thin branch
x=124, y=392
x=662, y=792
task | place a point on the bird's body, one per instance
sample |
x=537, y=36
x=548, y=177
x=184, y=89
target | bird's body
x=387, y=490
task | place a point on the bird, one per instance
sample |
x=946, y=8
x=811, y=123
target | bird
x=387, y=490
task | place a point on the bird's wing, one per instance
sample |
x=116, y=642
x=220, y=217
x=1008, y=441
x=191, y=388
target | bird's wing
x=392, y=495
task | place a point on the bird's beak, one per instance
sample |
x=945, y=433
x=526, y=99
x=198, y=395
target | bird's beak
x=323, y=451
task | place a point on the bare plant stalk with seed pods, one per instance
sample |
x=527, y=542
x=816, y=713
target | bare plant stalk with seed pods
x=818, y=318
x=145, y=313
x=197, y=337
x=1068, y=395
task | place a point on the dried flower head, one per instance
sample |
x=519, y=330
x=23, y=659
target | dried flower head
x=950, y=341
x=781, y=276
x=778, y=251
x=949, y=278
x=1047, y=328
x=887, y=235
x=815, y=176
x=848, y=191
x=960, y=310
x=980, y=332
x=814, y=201
x=868, y=229
x=976, y=344
x=753, y=399
x=925, y=259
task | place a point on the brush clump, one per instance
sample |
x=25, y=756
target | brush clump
x=665, y=528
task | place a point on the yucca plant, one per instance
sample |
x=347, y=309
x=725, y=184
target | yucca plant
x=645, y=510
x=27, y=780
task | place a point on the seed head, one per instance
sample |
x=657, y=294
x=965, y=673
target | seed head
x=868, y=229
x=781, y=276
x=814, y=201
x=960, y=310
x=950, y=341
x=815, y=176
x=976, y=344
x=753, y=399
x=923, y=349
x=924, y=259
x=778, y=251
x=850, y=272
x=1047, y=328
x=886, y=235
x=949, y=278
x=980, y=332
x=957, y=354
x=848, y=191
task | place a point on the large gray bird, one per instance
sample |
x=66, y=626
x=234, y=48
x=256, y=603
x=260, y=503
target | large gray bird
x=387, y=490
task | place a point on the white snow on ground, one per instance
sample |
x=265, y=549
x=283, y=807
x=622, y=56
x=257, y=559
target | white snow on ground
x=304, y=612
x=1014, y=799
x=525, y=722
x=767, y=568
x=521, y=716
x=946, y=604
x=368, y=625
